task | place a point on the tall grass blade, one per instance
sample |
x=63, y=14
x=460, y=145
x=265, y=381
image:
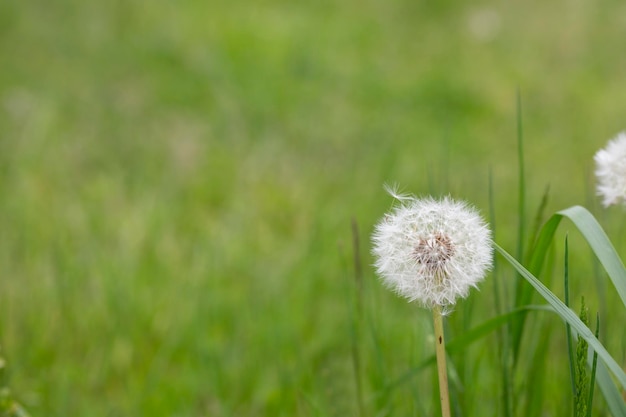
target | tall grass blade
x=517, y=326
x=568, y=328
x=599, y=243
x=504, y=342
x=593, y=234
x=568, y=315
x=539, y=218
x=358, y=320
x=610, y=392
x=523, y=293
x=521, y=225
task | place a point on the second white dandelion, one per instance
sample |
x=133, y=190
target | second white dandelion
x=611, y=171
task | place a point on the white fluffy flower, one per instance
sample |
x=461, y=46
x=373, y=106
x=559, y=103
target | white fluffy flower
x=611, y=171
x=432, y=251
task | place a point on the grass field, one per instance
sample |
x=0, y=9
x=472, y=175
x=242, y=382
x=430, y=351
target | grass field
x=178, y=181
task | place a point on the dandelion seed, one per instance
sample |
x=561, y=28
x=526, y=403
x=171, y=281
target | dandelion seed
x=432, y=251
x=611, y=171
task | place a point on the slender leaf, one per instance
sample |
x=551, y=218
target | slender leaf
x=610, y=392
x=595, y=236
x=521, y=226
x=539, y=218
x=601, y=245
x=523, y=293
x=568, y=315
x=568, y=328
x=500, y=298
x=517, y=326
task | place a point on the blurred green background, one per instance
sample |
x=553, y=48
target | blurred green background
x=178, y=179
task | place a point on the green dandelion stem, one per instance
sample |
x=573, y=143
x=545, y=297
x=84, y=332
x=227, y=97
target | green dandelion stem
x=440, y=349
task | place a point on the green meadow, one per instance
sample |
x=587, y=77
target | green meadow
x=187, y=193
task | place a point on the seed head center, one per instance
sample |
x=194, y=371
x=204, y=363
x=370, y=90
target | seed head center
x=434, y=251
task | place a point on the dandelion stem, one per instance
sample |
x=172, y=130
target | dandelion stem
x=441, y=362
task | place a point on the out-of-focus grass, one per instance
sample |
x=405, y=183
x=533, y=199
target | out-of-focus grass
x=177, y=182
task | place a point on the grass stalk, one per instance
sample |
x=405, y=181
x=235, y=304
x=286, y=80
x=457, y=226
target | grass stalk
x=503, y=334
x=440, y=348
x=518, y=327
x=358, y=320
x=521, y=225
x=568, y=327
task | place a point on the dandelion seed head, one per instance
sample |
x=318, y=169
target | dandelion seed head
x=611, y=171
x=432, y=251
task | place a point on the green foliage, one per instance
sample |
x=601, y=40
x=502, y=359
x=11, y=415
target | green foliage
x=566, y=314
x=597, y=240
x=178, y=181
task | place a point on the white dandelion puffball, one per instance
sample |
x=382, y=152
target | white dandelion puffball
x=432, y=251
x=611, y=171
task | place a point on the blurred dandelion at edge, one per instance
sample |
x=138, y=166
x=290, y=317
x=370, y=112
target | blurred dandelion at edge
x=611, y=171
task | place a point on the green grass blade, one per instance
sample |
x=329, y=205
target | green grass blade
x=357, y=318
x=500, y=298
x=611, y=394
x=523, y=293
x=601, y=245
x=517, y=326
x=595, y=236
x=521, y=225
x=568, y=328
x=568, y=315
x=544, y=240
x=539, y=218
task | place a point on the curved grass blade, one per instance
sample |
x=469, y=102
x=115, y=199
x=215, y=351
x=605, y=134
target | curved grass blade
x=593, y=234
x=599, y=243
x=568, y=315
